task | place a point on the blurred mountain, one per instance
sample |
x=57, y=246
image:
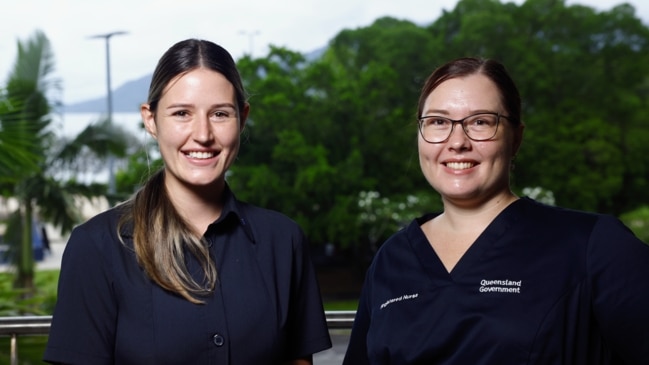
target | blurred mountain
x=126, y=99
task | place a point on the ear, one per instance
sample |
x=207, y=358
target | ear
x=148, y=118
x=244, y=116
x=518, y=138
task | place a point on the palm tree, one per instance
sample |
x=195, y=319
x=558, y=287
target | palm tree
x=25, y=95
x=48, y=189
x=16, y=154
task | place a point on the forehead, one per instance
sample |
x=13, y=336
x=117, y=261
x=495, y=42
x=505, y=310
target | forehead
x=465, y=94
x=200, y=82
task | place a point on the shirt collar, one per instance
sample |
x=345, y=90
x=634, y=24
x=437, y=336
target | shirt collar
x=235, y=210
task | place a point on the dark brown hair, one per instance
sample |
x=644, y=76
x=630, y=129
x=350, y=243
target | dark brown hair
x=494, y=70
x=188, y=55
x=161, y=237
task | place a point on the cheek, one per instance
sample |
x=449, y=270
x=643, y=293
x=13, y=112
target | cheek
x=497, y=155
x=426, y=150
x=170, y=136
x=428, y=157
x=229, y=135
x=233, y=135
x=421, y=146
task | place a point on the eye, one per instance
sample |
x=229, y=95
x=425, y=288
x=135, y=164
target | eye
x=486, y=120
x=180, y=113
x=435, y=121
x=219, y=116
x=223, y=114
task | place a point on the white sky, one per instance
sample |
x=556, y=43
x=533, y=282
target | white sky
x=154, y=25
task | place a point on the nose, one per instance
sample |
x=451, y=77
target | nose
x=202, y=130
x=458, y=140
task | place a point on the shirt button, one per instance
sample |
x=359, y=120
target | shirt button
x=218, y=340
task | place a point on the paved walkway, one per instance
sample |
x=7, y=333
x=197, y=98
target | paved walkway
x=52, y=260
x=333, y=356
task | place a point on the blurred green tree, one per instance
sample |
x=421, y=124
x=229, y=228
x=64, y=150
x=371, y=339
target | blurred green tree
x=46, y=191
x=324, y=128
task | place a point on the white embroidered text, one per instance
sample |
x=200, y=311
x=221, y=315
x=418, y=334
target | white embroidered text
x=500, y=286
x=398, y=299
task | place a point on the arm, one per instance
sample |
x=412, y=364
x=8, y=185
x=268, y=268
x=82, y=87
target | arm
x=618, y=265
x=307, y=325
x=356, y=353
x=83, y=328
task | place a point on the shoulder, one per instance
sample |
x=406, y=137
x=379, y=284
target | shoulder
x=255, y=212
x=98, y=232
x=401, y=248
x=568, y=221
x=407, y=236
x=266, y=220
x=103, y=220
x=397, y=241
x=534, y=209
x=599, y=231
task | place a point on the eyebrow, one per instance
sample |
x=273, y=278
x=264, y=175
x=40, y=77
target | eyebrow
x=435, y=111
x=446, y=112
x=213, y=106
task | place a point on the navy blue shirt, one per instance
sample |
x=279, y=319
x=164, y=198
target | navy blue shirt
x=541, y=285
x=265, y=309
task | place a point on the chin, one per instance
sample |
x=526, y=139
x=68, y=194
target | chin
x=452, y=190
x=460, y=195
x=203, y=181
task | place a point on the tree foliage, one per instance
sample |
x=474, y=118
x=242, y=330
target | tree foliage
x=331, y=138
x=324, y=130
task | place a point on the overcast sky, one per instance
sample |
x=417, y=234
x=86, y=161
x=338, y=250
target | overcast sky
x=153, y=25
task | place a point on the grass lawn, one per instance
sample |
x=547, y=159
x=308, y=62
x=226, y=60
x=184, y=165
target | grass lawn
x=341, y=305
x=30, y=349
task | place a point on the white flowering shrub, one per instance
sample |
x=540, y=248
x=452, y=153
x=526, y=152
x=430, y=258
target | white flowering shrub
x=382, y=216
x=540, y=194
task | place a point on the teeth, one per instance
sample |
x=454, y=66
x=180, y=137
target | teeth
x=200, y=155
x=459, y=165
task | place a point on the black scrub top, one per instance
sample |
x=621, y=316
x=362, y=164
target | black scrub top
x=266, y=307
x=540, y=286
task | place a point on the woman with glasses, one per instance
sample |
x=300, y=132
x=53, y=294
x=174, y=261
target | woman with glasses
x=495, y=278
x=183, y=272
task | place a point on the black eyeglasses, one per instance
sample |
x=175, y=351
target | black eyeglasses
x=478, y=127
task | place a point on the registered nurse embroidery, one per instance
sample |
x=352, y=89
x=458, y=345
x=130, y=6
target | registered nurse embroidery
x=500, y=286
x=399, y=299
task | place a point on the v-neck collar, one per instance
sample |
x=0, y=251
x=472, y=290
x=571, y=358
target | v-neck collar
x=431, y=262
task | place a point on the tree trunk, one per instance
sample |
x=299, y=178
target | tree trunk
x=25, y=263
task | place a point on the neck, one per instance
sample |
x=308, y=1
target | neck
x=465, y=216
x=199, y=206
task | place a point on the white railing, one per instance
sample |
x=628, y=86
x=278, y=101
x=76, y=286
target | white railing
x=40, y=325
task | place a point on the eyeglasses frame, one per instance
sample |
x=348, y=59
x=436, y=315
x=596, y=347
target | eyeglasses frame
x=420, y=121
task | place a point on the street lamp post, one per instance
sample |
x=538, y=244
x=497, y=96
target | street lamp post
x=251, y=36
x=109, y=111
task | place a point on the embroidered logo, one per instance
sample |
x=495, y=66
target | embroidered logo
x=399, y=299
x=500, y=286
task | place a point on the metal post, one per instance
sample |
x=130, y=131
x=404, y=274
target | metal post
x=14, y=349
x=109, y=111
x=251, y=36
